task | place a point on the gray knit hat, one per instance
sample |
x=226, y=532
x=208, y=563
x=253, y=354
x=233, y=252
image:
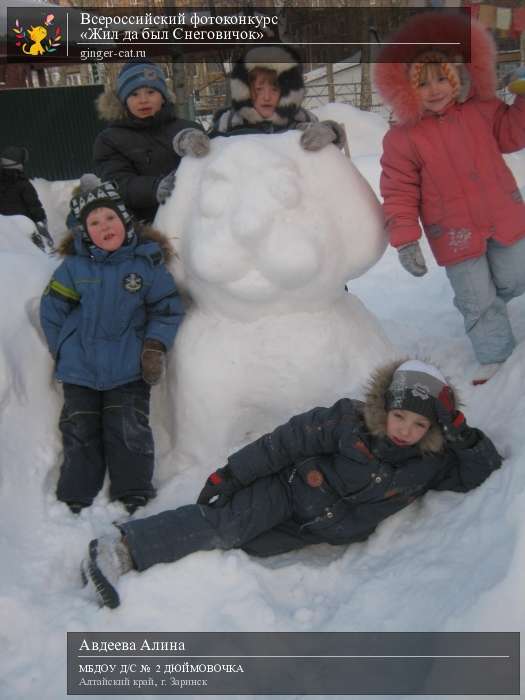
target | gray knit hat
x=136, y=75
x=415, y=387
x=103, y=194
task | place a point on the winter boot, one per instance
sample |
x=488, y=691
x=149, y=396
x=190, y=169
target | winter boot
x=131, y=503
x=483, y=373
x=76, y=507
x=108, y=558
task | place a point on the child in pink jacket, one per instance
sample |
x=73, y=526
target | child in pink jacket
x=443, y=170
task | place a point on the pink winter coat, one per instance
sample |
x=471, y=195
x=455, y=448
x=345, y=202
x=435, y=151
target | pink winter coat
x=447, y=170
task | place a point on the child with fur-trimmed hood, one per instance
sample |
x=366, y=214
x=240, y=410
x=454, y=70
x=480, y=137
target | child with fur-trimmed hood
x=442, y=165
x=136, y=150
x=329, y=475
x=267, y=91
x=110, y=314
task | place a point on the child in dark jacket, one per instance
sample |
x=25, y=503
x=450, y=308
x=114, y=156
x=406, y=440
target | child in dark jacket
x=136, y=149
x=329, y=475
x=18, y=196
x=110, y=313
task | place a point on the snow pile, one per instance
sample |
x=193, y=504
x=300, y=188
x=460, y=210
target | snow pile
x=448, y=562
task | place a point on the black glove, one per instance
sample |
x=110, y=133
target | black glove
x=455, y=429
x=221, y=483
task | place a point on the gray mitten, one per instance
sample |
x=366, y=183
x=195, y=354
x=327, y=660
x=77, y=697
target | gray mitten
x=411, y=257
x=165, y=187
x=191, y=142
x=44, y=231
x=42, y=238
x=319, y=135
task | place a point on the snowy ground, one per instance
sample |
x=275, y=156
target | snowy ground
x=449, y=562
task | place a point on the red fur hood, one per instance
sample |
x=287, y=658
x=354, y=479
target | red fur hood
x=478, y=77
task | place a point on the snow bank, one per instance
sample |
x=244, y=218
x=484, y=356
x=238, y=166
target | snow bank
x=450, y=561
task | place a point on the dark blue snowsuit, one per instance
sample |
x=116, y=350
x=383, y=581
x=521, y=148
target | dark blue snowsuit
x=96, y=312
x=321, y=477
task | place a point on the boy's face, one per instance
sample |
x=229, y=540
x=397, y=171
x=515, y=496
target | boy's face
x=265, y=96
x=435, y=89
x=105, y=228
x=406, y=428
x=144, y=102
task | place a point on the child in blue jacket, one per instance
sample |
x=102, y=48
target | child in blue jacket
x=110, y=313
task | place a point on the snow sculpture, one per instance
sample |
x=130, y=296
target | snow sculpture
x=267, y=236
x=25, y=273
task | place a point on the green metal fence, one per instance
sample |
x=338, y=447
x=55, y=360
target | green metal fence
x=57, y=125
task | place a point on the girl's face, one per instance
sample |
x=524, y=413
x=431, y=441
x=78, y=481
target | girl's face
x=144, y=102
x=435, y=90
x=265, y=96
x=406, y=428
x=105, y=228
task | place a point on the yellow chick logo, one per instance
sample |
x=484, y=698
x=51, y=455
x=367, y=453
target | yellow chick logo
x=42, y=42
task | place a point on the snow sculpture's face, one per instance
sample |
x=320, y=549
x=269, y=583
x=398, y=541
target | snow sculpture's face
x=265, y=227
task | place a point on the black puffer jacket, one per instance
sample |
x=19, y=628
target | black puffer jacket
x=137, y=153
x=346, y=476
x=18, y=196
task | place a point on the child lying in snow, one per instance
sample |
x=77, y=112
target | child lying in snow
x=329, y=475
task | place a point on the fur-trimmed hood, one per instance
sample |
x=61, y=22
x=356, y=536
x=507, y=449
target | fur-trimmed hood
x=287, y=64
x=111, y=109
x=144, y=234
x=375, y=413
x=477, y=77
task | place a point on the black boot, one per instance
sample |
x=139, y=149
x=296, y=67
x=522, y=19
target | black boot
x=76, y=507
x=131, y=503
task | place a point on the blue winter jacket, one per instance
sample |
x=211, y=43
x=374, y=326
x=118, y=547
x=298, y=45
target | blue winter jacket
x=99, y=307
